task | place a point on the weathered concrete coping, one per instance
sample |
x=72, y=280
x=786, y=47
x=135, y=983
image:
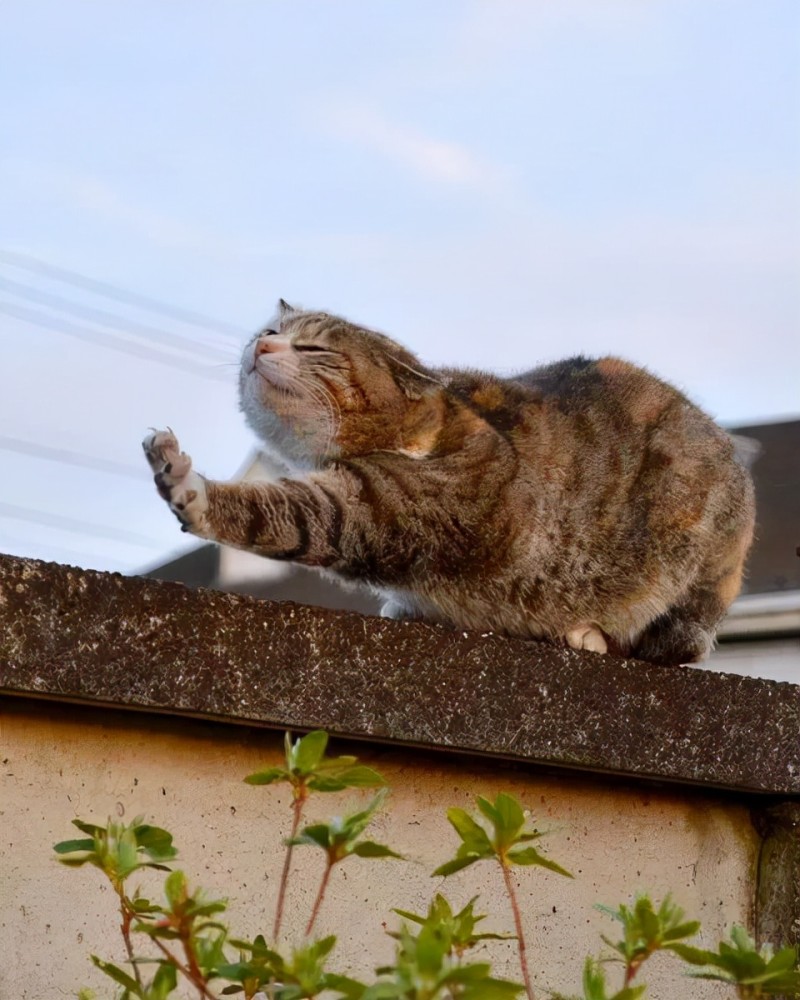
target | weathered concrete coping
x=104, y=639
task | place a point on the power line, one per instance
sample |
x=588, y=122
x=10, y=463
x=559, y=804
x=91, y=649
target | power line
x=37, y=266
x=100, y=316
x=112, y=341
x=71, y=458
x=75, y=525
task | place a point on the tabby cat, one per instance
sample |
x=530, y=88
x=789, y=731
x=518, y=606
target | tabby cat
x=585, y=502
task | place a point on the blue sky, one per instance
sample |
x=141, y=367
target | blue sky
x=494, y=183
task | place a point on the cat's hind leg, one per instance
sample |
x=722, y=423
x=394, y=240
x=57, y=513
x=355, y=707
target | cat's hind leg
x=587, y=636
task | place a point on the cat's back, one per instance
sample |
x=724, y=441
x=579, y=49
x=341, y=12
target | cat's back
x=603, y=434
x=611, y=403
x=602, y=403
x=609, y=386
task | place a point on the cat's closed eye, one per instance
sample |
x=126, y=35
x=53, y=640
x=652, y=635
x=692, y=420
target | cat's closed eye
x=311, y=347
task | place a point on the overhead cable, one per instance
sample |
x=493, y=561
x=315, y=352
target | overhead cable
x=104, y=318
x=111, y=341
x=71, y=458
x=37, y=266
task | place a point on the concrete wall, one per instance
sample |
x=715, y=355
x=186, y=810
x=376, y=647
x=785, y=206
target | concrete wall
x=62, y=762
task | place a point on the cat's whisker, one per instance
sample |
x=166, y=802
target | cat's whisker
x=326, y=398
x=416, y=371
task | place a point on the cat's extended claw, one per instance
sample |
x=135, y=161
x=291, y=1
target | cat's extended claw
x=176, y=481
x=587, y=637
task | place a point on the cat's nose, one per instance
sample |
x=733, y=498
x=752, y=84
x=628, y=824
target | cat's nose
x=269, y=345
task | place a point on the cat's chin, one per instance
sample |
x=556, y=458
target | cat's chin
x=279, y=439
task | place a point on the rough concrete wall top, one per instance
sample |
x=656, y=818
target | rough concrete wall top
x=100, y=638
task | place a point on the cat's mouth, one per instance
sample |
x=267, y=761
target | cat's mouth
x=274, y=376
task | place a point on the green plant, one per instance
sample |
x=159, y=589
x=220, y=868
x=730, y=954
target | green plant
x=191, y=944
x=647, y=929
x=755, y=972
x=502, y=842
x=309, y=770
x=340, y=839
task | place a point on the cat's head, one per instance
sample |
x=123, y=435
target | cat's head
x=314, y=386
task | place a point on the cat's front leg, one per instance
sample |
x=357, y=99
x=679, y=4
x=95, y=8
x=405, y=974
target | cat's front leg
x=177, y=482
x=293, y=520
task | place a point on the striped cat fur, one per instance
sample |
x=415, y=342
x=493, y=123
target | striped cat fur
x=585, y=502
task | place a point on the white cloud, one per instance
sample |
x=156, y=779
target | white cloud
x=432, y=158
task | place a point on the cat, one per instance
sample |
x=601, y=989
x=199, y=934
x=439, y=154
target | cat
x=585, y=502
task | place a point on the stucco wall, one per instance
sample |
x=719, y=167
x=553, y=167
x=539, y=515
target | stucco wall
x=61, y=762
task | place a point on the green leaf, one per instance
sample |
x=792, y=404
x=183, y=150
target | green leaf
x=175, y=888
x=91, y=828
x=308, y=751
x=409, y=916
x=127, y=853
x=144, y=906
x=369, y=849
x=688, y=929
x=360, y=776
x=506, y=816
x=323, y=947
x=457, y=864
x=69, y=846
x=118, y=975
x=335, y=763
x=237, y=971
x=530, y=856
x=471, y=833
x=384, y=991
x=164, y=982
x=468, y=973
x=155, y=842
x=349, y=989
x=693, y=956
x=268, y=777
x=491, y=989
x=318, y=834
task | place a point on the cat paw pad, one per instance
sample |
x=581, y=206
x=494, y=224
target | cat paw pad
x=177, y=483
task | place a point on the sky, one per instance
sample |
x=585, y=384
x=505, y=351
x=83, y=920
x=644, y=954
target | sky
x=495, y=183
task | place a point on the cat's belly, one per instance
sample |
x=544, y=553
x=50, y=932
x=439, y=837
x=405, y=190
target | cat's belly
x=458, y=609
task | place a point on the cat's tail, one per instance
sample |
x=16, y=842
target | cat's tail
x=685, y=632
x=675, y=638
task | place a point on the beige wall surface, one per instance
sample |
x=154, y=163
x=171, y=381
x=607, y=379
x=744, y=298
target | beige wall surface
x=62, y=762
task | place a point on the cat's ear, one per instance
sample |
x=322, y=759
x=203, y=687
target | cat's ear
x=284, y=308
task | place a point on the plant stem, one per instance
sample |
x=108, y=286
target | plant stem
x=523, y=959
x=125, y=927
x=320, y=896
x=197, y=975
x=297, y=810
x=185, y=970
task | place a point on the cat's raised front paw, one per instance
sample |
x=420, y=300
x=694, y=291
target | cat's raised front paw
x=176, y=481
